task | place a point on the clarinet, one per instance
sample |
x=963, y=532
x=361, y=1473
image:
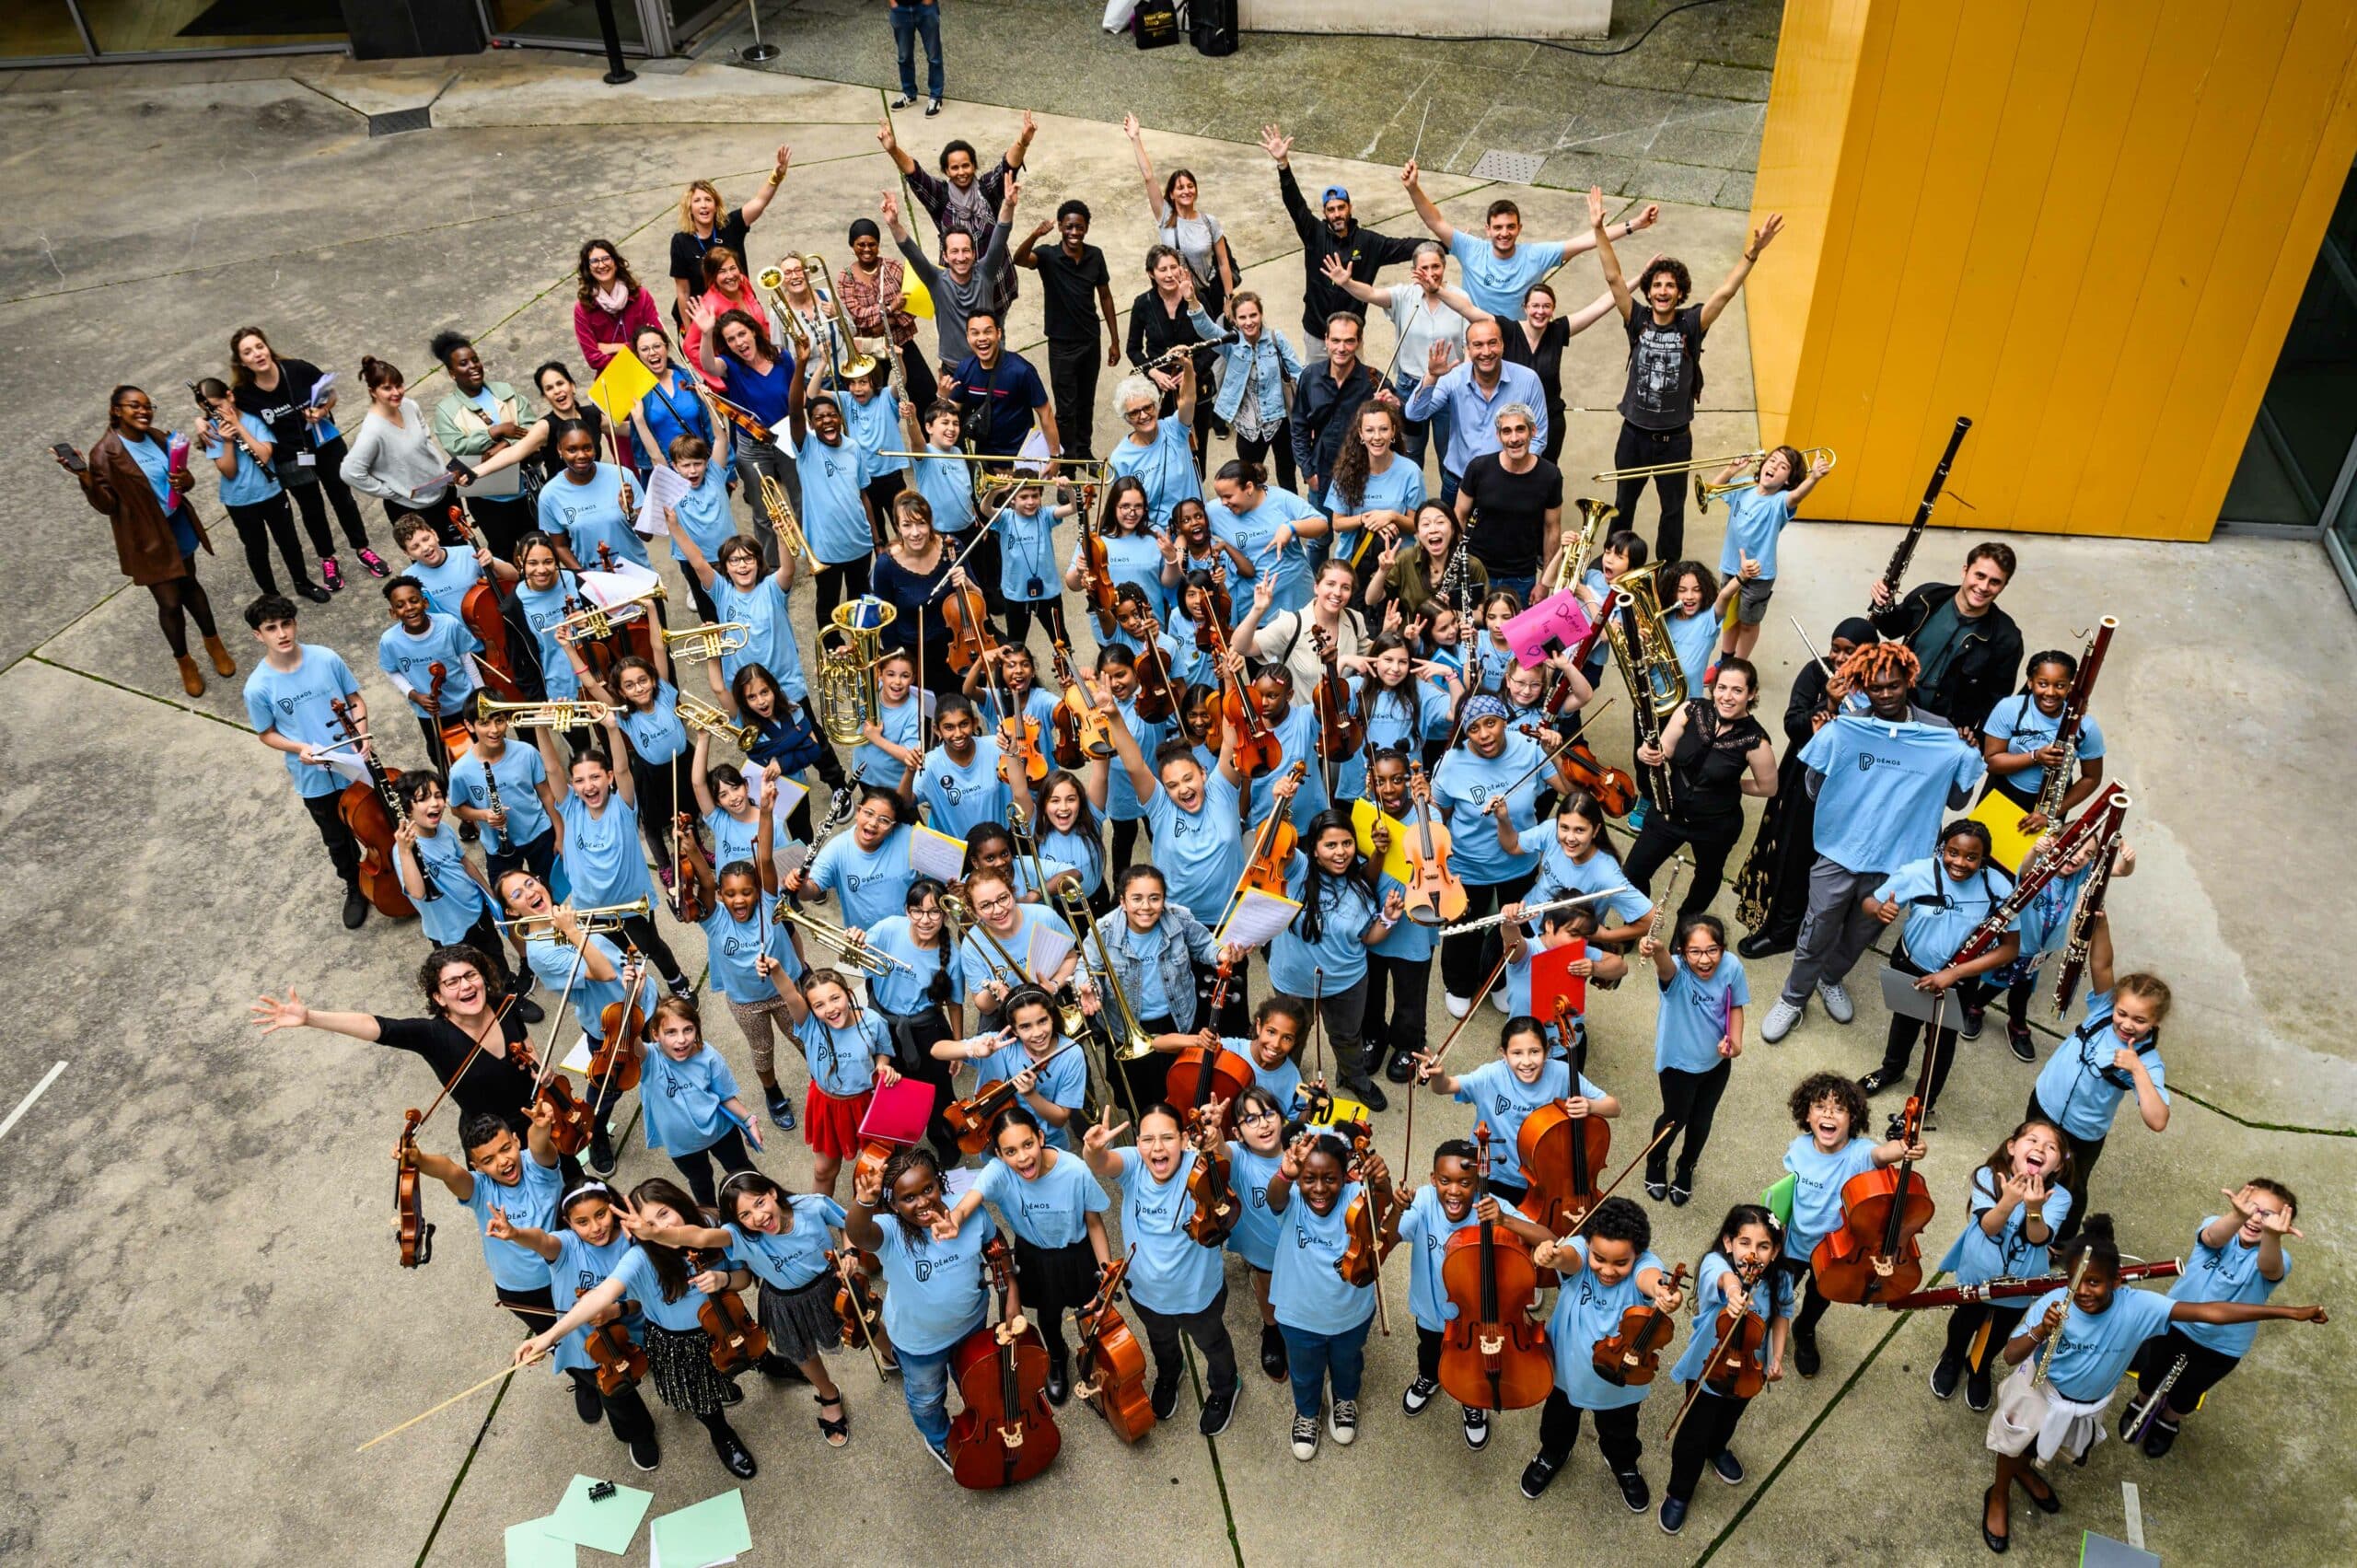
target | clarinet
x=1896, y=573
x=2101, y=817
x=2083, y=924
x=491, y=793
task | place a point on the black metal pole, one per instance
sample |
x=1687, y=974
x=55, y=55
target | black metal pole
x=616, y=72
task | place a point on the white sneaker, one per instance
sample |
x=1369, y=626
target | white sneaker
x=1780, y=1021
x=1458, y=1006
x=1498, y=1000
x=1343, y=1420
x=1836, y=1001
x=1305, y=1437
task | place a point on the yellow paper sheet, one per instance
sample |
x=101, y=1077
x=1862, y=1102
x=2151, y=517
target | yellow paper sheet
x=2007, y=843
x=1364, y=815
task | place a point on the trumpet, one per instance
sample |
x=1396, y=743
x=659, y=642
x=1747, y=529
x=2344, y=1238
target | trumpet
x=784, y=523
x=564, y=712
x=603, y=917
x=699, y=714
x=1135, y=1044
x=853, y=951
x=1530, y=912
x=599, y=620
x=698, y=644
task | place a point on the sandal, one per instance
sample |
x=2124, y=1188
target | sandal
x=838, y=1430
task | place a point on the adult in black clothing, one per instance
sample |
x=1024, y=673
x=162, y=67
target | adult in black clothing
x=462, y=1008
x=1511, y=502
x=704, y=222
x=997, y=392
x=1330, y=231
x=907, y=577
x=278, y=392
x=1717, y=754
x=1971, y=650
x=1326, y=404
x=1160, y=321
x=1785, y=846
x=1665, y=370
x=1078, y=288
x=1537, y=344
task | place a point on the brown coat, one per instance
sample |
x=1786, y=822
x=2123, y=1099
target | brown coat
x=117, y=486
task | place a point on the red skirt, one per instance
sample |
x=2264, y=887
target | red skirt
x=830, y=1126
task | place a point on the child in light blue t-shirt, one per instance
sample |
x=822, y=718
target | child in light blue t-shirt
x=1756, y=520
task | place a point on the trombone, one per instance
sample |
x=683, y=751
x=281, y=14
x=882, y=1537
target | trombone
x=961, y=917
x=562, y=713
x=1705, y=490
x=1135, y=1044
x=594, y=922
x=849, y=947
x=699, y=714
x=698, y=644
x=599, y=620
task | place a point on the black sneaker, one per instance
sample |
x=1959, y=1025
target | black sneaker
x=734, y=1454
x=586, y=1404
x=2017, y=1036
x=941, y=1456
x=1539, y=1475
x=1477, y=1429
x=529, y=1011
x=1973, y=1018
x=469, y=833
x=1367, y=1093
x=1219, y=1412
x=1673, y=1514
x=1759, y=944
x=1727, y=1467
x=780, y=1109
x=1402, y=1068
x=355, y=908
x=1272, y=1352
x=644, y=1452
x=602, y=1156
x=1633, y=1489
x=1978, y=1390
x=1945, y=1374
x=1418, y=1395
x=1875, y=1082
x=1804, y=1358
x=730, y=1393
x=2160, y=1438
x=312, y=591
x=906, y=100
x=683, y=987
x=1165, y=1398
x=932, y=109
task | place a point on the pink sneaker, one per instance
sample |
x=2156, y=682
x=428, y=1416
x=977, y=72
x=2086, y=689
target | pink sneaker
x=375, y=562
x=332, y=574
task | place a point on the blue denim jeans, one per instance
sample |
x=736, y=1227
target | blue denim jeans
x=1312, y=1357
x=1435, y=429
x=909, y=24
x=924, y=1383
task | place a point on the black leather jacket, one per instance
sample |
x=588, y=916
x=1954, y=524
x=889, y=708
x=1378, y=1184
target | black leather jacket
x=1986, y=667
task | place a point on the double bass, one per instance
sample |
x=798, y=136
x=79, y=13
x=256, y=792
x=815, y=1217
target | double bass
x=1108, y=1369
x=1492, y=1356
x=1564, y=1157
x=372, y=811
x=1005, y=1434
x=1631, y=1354
x=484, y=612
x=1877, y=1254
x=409, y=1211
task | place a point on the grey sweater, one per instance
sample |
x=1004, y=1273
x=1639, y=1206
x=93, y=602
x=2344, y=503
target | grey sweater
x=954, y=301
x=388, y=460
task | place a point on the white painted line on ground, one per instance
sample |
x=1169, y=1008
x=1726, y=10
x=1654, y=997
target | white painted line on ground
x=2135, y=1514
x=26, y=1104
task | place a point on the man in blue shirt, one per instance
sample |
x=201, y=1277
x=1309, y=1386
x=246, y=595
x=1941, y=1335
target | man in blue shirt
x=1470, y=396
x=998, y=393
x=1881, y=781
x=1500, y=272
x=287, y=702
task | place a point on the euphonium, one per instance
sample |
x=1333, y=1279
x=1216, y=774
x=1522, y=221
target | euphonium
x=710, y=641
x=699, y=714
x=858, y=364
x=555, y=713
x=784, y=523
x=845, y=692
x=1134, y=1043
x=1596, y=522
x=1655, y=677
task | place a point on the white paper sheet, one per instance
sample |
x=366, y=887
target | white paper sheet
x=665, y=485
x=1258, y=918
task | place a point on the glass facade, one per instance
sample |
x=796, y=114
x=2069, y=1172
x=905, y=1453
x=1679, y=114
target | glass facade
x=66, y=31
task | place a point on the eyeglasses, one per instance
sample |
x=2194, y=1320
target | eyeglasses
x=1249, y=1116
x=995, y=906
x=1138, y=416
x=1704, y=952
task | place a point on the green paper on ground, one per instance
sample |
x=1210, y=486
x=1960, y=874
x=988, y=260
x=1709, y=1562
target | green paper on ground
x=530, y=1547
x=602, y=1527
x=710, y=1531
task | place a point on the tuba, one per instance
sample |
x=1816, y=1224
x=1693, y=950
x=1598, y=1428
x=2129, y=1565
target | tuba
x=845, y=692
x=1648, y=661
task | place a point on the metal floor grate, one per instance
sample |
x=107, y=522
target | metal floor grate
x=401, y=120
x=1517, y=169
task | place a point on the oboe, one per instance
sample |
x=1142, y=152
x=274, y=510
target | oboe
x=1896, y=573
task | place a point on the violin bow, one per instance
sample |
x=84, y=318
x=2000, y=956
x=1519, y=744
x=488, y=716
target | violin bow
x=1317, y=1016
x=1459, y=1028
x=1749, y=1283
x=556, y=1018
x=1615, y=1185
x=498, y=1376
x=469, y=1059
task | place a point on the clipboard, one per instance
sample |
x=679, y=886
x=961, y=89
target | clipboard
x=1899, y=994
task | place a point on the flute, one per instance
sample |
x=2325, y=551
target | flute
x=1530, y=912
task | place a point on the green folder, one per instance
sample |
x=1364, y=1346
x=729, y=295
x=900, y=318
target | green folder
x=1778, y=1201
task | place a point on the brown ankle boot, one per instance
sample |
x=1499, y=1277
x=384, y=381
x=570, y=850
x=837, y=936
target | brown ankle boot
x=223, y=665
x=191, y=678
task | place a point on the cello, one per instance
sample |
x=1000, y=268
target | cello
x=1562, y=1156
x=1435, y=894
x=1340, y=731
x=371, y=810
x=409, y=1212
x=1005, y=1434
x=1492, y=1356
x=1876, y=1255
x=1108, y=1369
x=1631, y=1354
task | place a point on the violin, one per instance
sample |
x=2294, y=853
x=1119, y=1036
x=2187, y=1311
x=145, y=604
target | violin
x=571, y=1125
x=409, y=1211
x=1272, y=848
x=1081, y=730
x=451, y=733
x=1205, y=725
x=1215, y=1211
x=615, y=1065
x=1435, y=894
x=737, y=1342
x=1214, y=612
x=1564, y=1157
x=1492, y=1356
x=688, y=900
x=1733, y=1369
x=1100, y=573
x=1577, y=767
x=969, y=1118
x=372, y=811
x=1876, y=1254
x=1108, y=1369
x=968, y=618
x=1340, y=731
x=620, y=1360
x=1373, y=1234
x=1257, y=750
x=1155, y=695
x=1019, y=740
x=1631, y=1354
x=873, y=1154
x=856, y=1305
x=1005, y=1434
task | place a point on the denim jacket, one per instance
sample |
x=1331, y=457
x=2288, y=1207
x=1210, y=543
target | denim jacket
x=1177, y=977
x=1277, y=363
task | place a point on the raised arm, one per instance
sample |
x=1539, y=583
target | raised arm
x=1338, y=273
x=759, y=201
x=1614, y=283
x=1442, y=230
x=1154, y=203
x=1724, y=296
